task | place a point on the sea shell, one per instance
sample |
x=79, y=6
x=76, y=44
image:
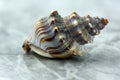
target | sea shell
x=59, y=37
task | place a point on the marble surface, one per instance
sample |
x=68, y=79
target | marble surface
x=101, y=59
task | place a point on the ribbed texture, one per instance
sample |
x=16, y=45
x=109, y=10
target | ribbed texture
x=55, y=34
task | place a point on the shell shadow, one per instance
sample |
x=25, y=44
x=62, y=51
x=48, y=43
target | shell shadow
x=72, y=58
x=60, y=66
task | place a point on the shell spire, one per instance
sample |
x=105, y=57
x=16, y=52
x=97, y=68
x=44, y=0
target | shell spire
x=74, y=14
x=83, y=29
x=54, y=13
x=59, y=37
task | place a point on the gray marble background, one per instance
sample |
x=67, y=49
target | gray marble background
x=101, y=59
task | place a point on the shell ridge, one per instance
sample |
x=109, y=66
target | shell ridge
x=58, y=37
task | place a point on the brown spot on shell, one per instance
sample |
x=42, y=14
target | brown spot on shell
x=53, y=21
x=26, y=46
x=104, y=21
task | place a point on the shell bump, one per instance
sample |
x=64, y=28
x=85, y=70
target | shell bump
x=60, y=37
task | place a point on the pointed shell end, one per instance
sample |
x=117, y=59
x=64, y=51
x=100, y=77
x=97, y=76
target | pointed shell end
x=104, y=21
x=54, y=13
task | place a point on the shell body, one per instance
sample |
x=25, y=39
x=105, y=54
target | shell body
x=59, y=37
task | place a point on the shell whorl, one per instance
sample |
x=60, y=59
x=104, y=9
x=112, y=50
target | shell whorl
x=60, y=36
x=83, y=29
x=52, y=34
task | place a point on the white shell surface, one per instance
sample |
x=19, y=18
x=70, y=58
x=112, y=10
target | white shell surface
x=51, y=35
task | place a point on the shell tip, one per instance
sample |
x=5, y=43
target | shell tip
x=74, y=14
x=54, y=13
x=104, y=21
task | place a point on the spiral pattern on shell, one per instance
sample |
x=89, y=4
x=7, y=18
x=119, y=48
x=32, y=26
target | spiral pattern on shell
x=58, y=37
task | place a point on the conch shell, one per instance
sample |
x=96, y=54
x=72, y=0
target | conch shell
x=60, y=37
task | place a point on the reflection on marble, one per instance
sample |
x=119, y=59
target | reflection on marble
x=101, y=59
